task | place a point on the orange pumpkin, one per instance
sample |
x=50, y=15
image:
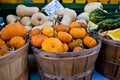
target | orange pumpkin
x=17, y=42
x=52, y=45
x=34, y=32
x=89, y=41
x=4, y=46
x=48, y=31
x=64, y=37
x=12, y=30
x=74, y=25
x=38, y=39
x=75, y=43
x=77, y=49
x=65, y=47
x=78, y=32
x=63, y=28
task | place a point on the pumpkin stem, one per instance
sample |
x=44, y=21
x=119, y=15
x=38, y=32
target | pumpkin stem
x=11, y=49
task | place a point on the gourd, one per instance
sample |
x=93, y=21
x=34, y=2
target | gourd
x=76, y=49
x=61, y=27
x=3, y=46
x=38, y=19
x=65, y=47
x=83, y=15
x=89, y=41
x=17, y=42
x=74, y=25
x=35, y=32
x=64, y=37
x=52, y=45
x=48, y=31
x=75, y=43
x=11, y=30
x=37, y=40
x=11, y=18
x=26, y=21
x=23, y=10
x=78, y=32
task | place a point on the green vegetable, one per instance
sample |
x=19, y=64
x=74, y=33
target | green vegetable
x=98, y=15
x=109, y=24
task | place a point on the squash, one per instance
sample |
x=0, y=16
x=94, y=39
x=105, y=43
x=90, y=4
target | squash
x=3, y=47
x=48, y=31
x=78, y=32
x=52, y=45
x=75, y=43
x=11, y=30
x=11, y=18
x=74, y=25
x=17, y=42
x=23, y=10
x=77, y=49
x=26, y=21
x=37, y=40
x=61, y=28
x=35, y=32
x=64, y=37
x=89, y=41
x=65, y=47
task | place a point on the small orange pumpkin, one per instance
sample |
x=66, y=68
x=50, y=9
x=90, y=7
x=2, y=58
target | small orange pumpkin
x=34, y=32
x=63, y=28
x=38, y=39
x=52, y=45
x=78, y=32
x=89, y=41
x=48, y=31
x=76, y=49
x=74, y=25
x=17, y=42
x=4, y=46
x=65, y=47
x=11, y=30
x=64, y=37
x=75, y=43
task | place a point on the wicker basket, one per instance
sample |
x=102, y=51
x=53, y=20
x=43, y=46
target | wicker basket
x=108, y=62
x=14, y=65
x=68, y=65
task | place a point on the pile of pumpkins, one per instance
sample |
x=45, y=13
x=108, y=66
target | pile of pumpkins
x=62, y=38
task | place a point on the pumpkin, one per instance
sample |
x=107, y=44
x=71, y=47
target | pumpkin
x=76, y=49
x=64, y=37
x=65, y=47
x=52, y=45
x=63, y=28
x=12, y=30
x=74, y=25
x=75, y=43
x=17, y=42
x=48, y=31
x=38, y=39
x=78, y=32
x=4, y=46
x=35, y=32
x=89, y=41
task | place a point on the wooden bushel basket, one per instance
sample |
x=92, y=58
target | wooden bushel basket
x=108, y=62
x=67, y=65
x=14, y=66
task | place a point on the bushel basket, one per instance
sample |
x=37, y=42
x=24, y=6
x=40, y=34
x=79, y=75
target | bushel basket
x=67, y=65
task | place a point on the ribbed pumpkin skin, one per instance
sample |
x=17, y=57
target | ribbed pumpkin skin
x=17, y=42
x=78, y=33
x=12, y=30
x=63, y=28
x=4, y=46
x=74, y=25
x=65, y=47
x=75, y=43
x=89, y=41
x=76, y=49
x=64, y=37
x=52, y=45
x=48, y=31
x=37, y=40
x=34, y=32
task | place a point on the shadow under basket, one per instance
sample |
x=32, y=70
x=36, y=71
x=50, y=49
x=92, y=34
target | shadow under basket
x=108, y=62
x=67, y=65
x=14, y=66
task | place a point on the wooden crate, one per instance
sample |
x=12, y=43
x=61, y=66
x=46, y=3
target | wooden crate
x=66, y=66
x=14, y=66
x=108, y=62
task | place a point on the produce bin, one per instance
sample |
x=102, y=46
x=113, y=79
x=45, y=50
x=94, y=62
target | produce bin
x=108, y=62
x=14, y=66
x=68, y=65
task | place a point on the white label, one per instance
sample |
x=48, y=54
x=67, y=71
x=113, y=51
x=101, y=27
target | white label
x=52, y=7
